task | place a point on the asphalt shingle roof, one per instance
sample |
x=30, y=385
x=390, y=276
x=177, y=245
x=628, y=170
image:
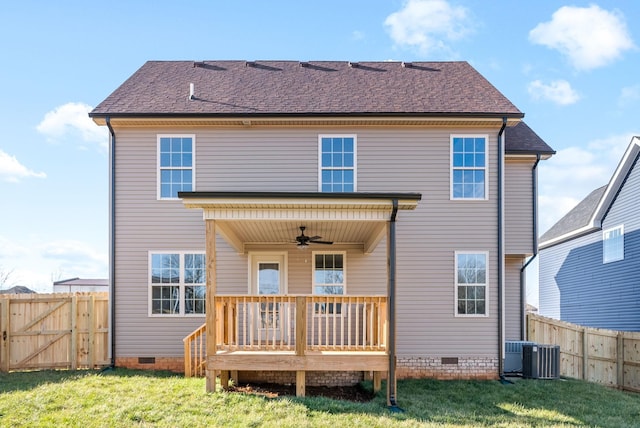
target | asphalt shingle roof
x=577, y=218
x=319, y=88
x=228, y=88
x=521, y=139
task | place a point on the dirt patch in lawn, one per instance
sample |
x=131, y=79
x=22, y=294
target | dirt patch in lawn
x=350, y=393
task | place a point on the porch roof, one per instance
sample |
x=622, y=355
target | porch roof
x=244, y=218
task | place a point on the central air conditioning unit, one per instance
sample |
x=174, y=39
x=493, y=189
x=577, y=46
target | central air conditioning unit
x=513, y=356
x=541, y=361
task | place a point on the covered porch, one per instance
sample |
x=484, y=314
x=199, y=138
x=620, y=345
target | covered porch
x=297, y=332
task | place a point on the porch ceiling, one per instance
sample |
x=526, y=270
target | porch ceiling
x=275, y=218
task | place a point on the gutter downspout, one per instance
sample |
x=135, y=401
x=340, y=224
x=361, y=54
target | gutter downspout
x=112, y=239
x=391, y=381
x=501, y=250
x=523, y=280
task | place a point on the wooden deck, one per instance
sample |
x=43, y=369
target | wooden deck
x=290, y=333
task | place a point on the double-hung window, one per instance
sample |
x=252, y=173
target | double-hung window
x=337, y=155
x=175, y=165
x=471, y=283
x=329, y=279
x=469, y=167
x=177, y=283
x=613, y=244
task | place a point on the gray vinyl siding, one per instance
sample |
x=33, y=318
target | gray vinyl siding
x=576, y=286
x=398, y=160
x=145, y=224
x=518, y=206
x=512, y=302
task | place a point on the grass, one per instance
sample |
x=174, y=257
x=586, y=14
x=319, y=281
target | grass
x=125, y=398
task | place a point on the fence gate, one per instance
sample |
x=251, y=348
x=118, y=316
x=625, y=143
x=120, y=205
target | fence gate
x=54, y=331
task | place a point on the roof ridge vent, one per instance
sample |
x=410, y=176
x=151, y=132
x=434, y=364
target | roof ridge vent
x=250, y=64
x=407, y=64
x=198, y=64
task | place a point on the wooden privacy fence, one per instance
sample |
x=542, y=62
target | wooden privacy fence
x=608, y=357
x=49, y=331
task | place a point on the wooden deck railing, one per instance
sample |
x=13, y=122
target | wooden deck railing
x=195, y=352
x=292, y=323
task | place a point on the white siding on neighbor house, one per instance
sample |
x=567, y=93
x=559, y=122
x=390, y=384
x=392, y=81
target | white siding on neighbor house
x=394, y=160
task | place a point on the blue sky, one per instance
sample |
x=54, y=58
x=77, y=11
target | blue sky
x=571, y=67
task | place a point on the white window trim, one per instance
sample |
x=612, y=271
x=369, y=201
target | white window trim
x=180, y=284
x=313, y=279
x=604, y=234
x=355, y=157
x=455, y=286
x=158, y=168
x=486, y=166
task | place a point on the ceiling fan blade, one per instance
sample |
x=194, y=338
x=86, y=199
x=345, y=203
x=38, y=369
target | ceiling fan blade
x=313, y=238
x=313, y=241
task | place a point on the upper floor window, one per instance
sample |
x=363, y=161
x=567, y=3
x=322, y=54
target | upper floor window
x=337, y=154
x=471, y=283
x=175, y=165
x=329, y=278
x=613, y=244
x=177, y=283
x=469, y=167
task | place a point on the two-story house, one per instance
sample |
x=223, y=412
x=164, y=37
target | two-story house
x=590, y=259
x=316, y=220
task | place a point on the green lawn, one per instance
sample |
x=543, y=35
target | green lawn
x=124, y=398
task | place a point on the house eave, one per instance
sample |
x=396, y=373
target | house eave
x=308, y=119
x=585, y=230
x=249, y=218
x=544, y=155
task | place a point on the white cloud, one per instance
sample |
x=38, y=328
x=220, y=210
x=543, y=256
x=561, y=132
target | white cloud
x=428, y=26
x=573, y=173
x=589, y=37
x=558, y=91
x=71, y=120
x=629, y=95
x=12, y=170
x=357, y=35
x=72, y=252
x=36, y=264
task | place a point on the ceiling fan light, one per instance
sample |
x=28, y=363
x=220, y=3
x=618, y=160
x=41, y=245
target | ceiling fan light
x=302, y=246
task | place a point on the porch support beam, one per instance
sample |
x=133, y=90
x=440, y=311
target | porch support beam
x=288, y=361
x=210, y=245
x=230, y=236
x=373, y=241
x=300, y=383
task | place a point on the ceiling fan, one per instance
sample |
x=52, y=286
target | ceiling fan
x=304, y=240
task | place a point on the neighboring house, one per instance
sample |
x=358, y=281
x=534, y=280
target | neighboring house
x=419, y=179
x=17, y=289
x=590, y=259
x=73, y=285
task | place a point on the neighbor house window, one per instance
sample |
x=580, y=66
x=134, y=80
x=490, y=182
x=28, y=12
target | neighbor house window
x=175, y=165
x=329, y=279
x=613, y=244
x=468, y=167
x=337, y=154
x=471, y=283
x=177, y=283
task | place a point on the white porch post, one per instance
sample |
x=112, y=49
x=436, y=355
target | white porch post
x=210, y=245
